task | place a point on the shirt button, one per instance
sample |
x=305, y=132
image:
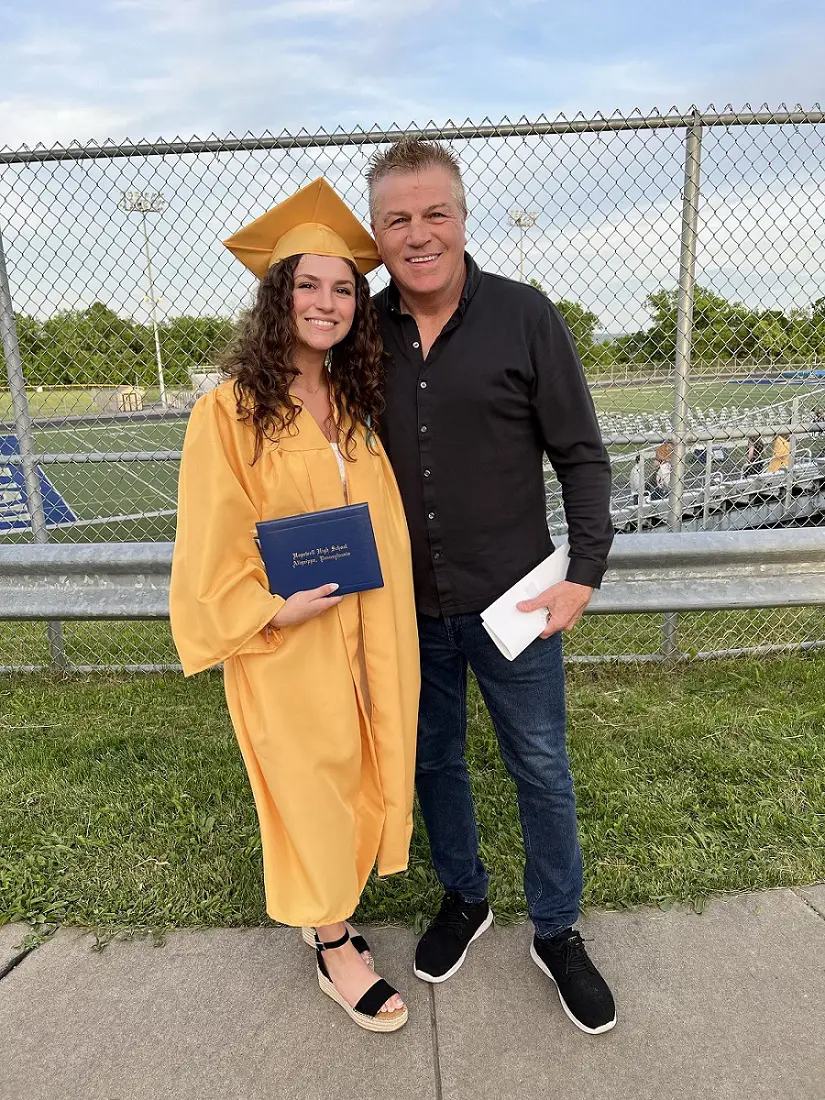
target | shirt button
x=437, y=556
x=423, y=428
x=416, y=344
x=427, y=473
x=423, y=385
x=430, y=515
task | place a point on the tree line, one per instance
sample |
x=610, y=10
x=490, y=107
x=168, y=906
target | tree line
x=723, y=332
x=96, y=346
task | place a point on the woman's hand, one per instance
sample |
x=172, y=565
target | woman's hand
x=306, y=605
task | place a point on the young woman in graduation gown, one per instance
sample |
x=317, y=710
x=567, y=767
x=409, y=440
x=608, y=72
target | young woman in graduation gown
x=322, y=690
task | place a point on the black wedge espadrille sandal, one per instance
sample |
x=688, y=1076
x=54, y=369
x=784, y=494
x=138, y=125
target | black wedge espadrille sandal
x=367, y=1013
x=356, y=939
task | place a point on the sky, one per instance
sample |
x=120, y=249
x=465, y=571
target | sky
x=97, y=69
x=609, y=206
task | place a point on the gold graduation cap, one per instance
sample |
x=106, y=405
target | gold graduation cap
x=314, y=220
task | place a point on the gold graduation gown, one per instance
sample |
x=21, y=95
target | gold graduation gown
x=331, y=771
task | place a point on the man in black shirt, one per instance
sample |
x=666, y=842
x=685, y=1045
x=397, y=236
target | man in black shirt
x=483, y=380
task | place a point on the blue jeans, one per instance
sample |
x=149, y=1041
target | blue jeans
x=526, y=702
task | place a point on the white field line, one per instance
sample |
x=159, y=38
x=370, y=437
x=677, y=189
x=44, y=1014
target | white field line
x=101, y=521
x=148, y=484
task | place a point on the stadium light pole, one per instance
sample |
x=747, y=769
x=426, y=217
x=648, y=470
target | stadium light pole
x=522, y=220
x=143, y=203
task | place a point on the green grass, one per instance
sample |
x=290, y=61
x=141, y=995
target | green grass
x=63, y=401
x=625, y=396
x=90, y=643
x=52, y=402
x=108, y=490
x=150, y=643
x=126, y=804
x=96, y=490
x=658, y=397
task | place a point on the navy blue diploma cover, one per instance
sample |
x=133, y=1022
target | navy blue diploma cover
x=336, y=545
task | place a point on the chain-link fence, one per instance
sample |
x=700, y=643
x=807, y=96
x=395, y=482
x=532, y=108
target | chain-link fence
x=687, y=253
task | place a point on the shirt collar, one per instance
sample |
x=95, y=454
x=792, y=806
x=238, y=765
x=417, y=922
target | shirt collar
x=471, y=284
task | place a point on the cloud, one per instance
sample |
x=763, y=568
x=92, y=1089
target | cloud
x=168, y=67
x=168, y=16
x=28, y=120
x=610, y=203
x=205, y=67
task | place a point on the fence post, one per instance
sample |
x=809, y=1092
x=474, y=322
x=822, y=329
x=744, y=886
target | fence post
x=25, y=437
x=684, y=342
x=640, y=497
x=708, y=484
x=793, y=439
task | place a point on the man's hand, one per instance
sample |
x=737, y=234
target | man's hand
x=306, y=605
x=565, y=603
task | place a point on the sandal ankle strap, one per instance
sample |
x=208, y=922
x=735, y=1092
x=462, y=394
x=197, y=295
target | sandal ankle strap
x=319, y=946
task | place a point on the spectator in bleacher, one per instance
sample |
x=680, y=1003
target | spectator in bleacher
x=781, y=454
x=756, y=456
x=636, y=487
x=661, y=487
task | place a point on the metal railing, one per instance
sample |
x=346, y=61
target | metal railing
x=674, y=120
x=658, y=573
x=711, y=222
x=703, y=571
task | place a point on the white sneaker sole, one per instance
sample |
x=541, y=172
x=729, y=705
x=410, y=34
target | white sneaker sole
x=534, y=955
x=482, y=928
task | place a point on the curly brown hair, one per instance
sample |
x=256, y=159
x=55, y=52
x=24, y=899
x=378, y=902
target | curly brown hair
x=262, y=354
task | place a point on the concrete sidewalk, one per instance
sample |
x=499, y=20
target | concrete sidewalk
x=728, y=1005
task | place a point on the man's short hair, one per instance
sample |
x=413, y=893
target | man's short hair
x=413, y=154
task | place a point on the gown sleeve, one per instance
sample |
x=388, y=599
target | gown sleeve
x=219, y=600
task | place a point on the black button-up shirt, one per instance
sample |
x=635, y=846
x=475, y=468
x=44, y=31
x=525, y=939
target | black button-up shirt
x=466, y=430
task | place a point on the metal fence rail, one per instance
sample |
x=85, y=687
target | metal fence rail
x=707, y=571
x=713, y=571
x=340, y=138
x=685, y=249
x=97, y=581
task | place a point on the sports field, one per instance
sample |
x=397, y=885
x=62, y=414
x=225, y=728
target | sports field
x=135, y=501
x=114, y=501
x=704, y=393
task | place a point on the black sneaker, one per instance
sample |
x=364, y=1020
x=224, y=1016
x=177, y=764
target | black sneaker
x=443, y=947
x=583, y=992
